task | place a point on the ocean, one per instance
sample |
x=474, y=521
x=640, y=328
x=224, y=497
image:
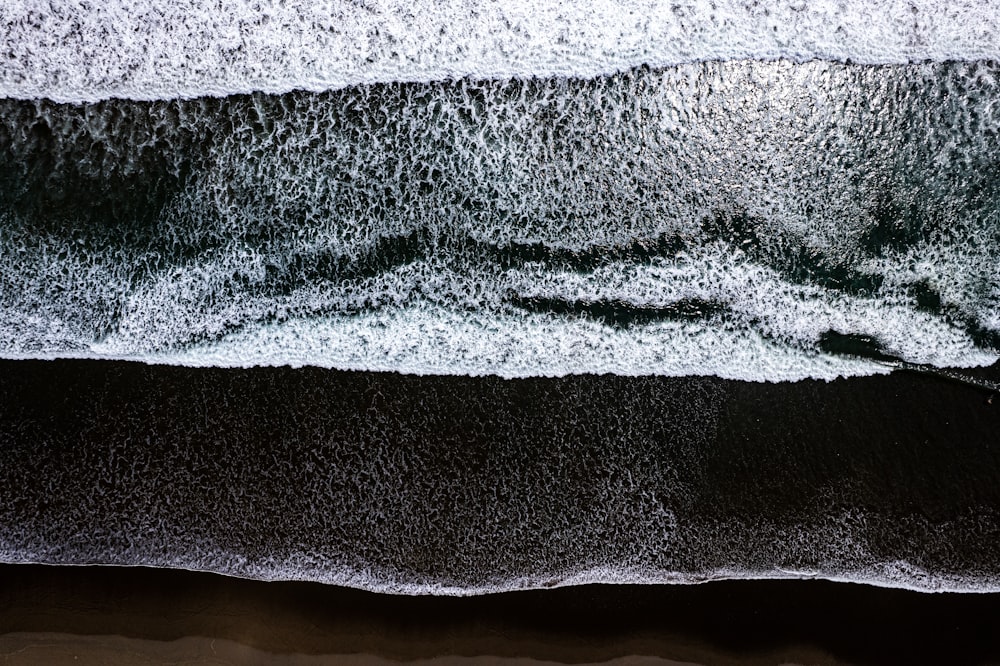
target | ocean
x=477, y=298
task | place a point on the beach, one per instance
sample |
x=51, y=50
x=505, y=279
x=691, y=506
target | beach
x=887, y=480
x=132, y=615
x=524, y=333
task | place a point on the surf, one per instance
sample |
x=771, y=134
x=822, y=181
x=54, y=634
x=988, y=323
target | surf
x=721, y=218
x=157, y=50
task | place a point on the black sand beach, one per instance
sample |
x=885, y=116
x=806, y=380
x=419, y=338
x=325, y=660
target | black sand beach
x=657, y=194
x=430, y=481
x=129, y=615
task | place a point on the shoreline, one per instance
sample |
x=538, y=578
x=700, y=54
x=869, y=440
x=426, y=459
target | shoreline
x=584, y=579
x=120, y=462
x=719, y=623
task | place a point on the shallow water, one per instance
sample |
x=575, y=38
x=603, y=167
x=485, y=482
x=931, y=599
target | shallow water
x=458, y=485
x=526, y=252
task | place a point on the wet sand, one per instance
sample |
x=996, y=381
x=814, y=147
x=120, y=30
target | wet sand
x=905, y=449
x=135, y=615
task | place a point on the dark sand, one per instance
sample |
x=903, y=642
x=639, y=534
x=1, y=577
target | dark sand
x=133, y=615
x=901, y=447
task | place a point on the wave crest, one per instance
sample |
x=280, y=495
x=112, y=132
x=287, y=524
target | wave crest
x=162, y=49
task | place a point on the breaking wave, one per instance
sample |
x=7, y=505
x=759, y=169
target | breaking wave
x=162, y=49
x=764, y=221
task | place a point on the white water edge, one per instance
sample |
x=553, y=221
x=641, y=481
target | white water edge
x=898, y=575
x=434, y=341
x=770, y=331
x=80, y=51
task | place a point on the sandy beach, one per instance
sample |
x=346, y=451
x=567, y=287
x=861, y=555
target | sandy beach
x=133, y=615
x=626, y=333
x=910, y=455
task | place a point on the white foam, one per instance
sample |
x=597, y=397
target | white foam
x=424, y=339
x=758, y=298
x=900, y=575
x=244, y=267
x=75, y=51
x=426, y=318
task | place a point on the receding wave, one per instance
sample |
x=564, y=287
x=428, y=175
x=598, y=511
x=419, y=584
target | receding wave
x=163, y=49
x=741, y=219
x=459, y=485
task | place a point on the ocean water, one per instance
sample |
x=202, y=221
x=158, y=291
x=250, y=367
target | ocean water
x=754, y=220
x=411, y=484
x=72, y=51
x=710, y=191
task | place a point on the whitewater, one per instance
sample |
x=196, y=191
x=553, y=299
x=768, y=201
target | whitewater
x=81, y=51
x=750, y=220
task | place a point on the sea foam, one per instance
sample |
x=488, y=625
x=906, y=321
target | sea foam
x=743, y=219
x=76, y=51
